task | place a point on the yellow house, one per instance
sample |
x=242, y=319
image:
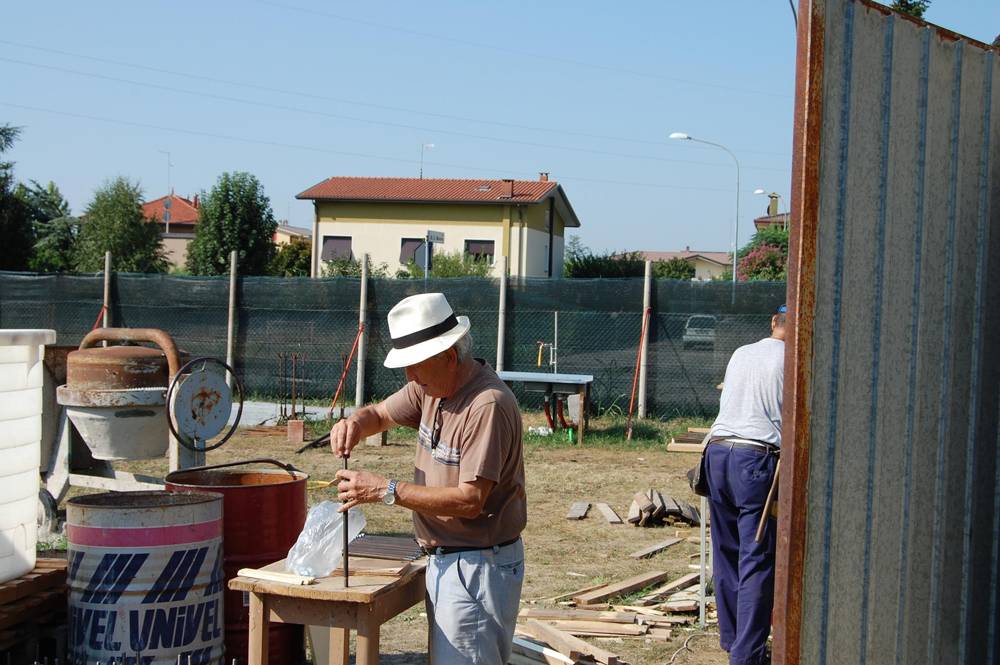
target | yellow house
x=388, y=218
x=707, y=265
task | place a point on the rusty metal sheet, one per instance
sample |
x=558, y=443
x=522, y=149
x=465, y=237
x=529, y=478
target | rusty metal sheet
x=888, y=534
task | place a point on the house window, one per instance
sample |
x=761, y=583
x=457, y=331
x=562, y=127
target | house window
x=479, y=250
x=336, y=247
x=408, y=249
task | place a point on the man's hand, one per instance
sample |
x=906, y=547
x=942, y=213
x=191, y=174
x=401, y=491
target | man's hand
x=345, y=434
x=357, y=487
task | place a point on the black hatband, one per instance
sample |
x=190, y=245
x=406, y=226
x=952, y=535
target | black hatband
x=415, y=338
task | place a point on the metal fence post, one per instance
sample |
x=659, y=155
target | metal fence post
x=359, y=388
x=231, y=326
x=502, y=314
x=647, y=297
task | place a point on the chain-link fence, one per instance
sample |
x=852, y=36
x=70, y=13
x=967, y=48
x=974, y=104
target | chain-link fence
x=593, y=325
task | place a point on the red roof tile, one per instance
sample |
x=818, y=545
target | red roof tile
x=723, y=258
x=182, y=211
x=429, y=190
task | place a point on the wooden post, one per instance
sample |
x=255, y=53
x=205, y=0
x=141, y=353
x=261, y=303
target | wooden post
x=647, y=296
x=106, y=311
x=340, y=647
x=502, y=314
x=359, y=389
x=259, y=628
x=231, y=329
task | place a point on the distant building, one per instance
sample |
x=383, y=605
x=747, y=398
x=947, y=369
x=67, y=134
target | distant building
x=781, y=219
x=707, y=265
x=285, y=233
x=388, y=218
x=176, y=218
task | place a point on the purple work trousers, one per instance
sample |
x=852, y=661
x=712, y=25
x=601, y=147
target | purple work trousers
x=743, y=569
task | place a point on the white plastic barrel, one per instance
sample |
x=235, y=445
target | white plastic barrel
x=145, y=578
x=21, y=353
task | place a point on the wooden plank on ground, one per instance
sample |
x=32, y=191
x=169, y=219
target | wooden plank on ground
x=682, y=582
x=620, y=588
x=645, y=503
x=571, y=646
x=653, y=550
x=673, y=506
x=581, y=615
x=677, y=447
x=571, y=594
x=539, y=653
x=578, y=510
x=690, y=513
x=609, y=513
x=598, y=628
x=659, y=508
x=634, y=513
x=660, y=634
x=699, y=430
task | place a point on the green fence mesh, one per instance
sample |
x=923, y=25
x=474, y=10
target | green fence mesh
x=594, y=325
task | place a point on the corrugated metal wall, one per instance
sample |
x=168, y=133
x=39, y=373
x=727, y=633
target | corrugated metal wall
x=900, y=362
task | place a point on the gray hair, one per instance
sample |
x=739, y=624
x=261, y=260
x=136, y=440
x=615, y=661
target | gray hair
x=463, y=347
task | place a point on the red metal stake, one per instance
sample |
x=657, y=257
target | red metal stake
x=635, y=376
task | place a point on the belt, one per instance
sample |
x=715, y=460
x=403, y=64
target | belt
x=442, y=551
x=750, y=444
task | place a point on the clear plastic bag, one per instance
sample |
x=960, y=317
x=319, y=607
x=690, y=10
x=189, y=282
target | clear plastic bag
x=318, y=550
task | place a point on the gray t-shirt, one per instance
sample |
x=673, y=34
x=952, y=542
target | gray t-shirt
x=750, y=406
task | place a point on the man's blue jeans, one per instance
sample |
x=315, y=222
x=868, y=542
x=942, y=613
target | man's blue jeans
x=743, y=569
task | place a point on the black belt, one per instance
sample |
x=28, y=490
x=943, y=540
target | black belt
x=442, y=551
x=761, y=446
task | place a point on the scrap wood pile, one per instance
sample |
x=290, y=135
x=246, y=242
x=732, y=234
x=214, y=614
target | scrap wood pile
x=31, y=606
x=554, y=635
x=650, y=508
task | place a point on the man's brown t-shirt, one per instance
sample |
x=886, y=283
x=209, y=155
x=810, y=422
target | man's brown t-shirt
x=480, y=438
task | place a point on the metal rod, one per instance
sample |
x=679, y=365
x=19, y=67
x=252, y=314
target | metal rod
x=347, y=577
x=295, y=359
x=554, y=349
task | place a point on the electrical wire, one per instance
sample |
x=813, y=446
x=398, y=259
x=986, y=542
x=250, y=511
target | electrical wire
x=310, y=148
x=339, y=116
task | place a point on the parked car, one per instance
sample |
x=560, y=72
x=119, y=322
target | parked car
x=699, y=330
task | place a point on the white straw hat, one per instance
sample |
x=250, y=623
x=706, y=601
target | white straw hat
x=422, y=326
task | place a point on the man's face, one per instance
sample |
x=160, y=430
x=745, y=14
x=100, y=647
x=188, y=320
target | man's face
x=438, y=375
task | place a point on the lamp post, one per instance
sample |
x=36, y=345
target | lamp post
x=424, y=148
x=736, y=224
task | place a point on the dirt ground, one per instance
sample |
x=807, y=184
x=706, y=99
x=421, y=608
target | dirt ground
x=561, y=555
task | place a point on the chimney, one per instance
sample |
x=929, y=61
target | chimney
x=508, y=189
x=687, y=248
x=194, y=202
x=543, y=176
x=772, y=206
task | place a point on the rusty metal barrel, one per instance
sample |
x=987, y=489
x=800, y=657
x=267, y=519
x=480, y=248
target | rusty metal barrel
x=145, y=578
x=264, y=512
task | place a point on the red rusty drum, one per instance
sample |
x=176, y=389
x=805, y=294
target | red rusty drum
x=263, y=512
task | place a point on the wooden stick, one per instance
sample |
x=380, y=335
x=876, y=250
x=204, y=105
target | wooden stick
x=273, y=576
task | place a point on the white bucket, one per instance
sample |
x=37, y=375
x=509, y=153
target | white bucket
x=21, y=370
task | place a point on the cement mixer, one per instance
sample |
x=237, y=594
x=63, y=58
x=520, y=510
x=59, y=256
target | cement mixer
x=129, y=402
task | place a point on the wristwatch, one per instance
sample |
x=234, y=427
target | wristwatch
x=390, y=493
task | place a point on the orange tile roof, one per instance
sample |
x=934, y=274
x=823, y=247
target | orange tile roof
x=182, y=211
x=722, y=258
x=429, y=190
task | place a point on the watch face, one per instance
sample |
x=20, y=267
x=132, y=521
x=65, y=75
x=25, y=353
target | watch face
x=389, y=498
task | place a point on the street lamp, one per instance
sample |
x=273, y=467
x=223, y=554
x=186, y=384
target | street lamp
x=736, y=225
x=424, y=148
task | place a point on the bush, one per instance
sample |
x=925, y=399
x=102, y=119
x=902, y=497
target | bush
x=292, y=259
x=585, y=264
x=675, y=268
x=763, y=263
x=454, y=264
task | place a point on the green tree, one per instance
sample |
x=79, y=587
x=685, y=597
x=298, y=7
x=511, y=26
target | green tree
x=56, y=245
x=55, y=230
x=765, y=257
x=574, y=248
x=114, y=222
x=609, y=264
x=914, y=8
x=235, y=215
x=453, y=264
x=292, y=259
x=15, y=218
x=675, y=268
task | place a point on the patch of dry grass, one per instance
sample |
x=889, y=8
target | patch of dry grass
x=606, y=468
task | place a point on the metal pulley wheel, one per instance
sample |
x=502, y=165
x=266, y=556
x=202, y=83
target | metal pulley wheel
x=199, y=402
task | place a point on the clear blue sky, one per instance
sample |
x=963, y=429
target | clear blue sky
x=295, y=91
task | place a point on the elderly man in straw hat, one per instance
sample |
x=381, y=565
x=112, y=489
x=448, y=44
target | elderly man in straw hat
x=467, y=495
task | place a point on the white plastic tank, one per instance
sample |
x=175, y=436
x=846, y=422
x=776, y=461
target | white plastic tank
x=21, y=372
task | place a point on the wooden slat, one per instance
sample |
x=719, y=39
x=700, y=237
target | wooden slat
x=570, y=646
x=659, y=507
x=645, y=503
x=598, y=628
x=620, y=588
x=609, y=513
x=682, y=582
x=539, y=653
x=578, y=510
x=634, y=513
x=580, y=615
x=47, y=574
x=677, y=447
x=652, y=550
x=570, y=594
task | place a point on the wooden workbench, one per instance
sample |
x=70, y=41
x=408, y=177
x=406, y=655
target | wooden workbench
x=367, y=603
